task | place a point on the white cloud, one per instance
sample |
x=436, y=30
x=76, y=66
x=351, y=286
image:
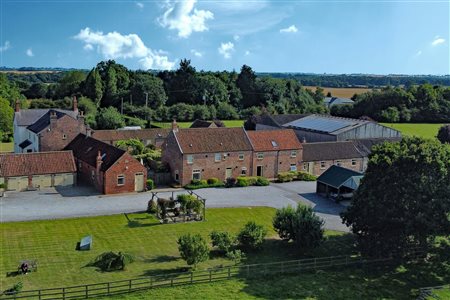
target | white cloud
x=113, y=45
x=182, y=16
x=247, y=52
x=290, y=29
x=236, y=37
x=29, y=52
x=437, y=41
x=196, y=53
x=225, y=49
x=88, y=47
x=5, y=47
x=140, y=5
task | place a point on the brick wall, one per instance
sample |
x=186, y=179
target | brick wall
x=172, y=156
x=61, y=133
x=314, y=168
x=274, y=162
x=88, y=174
x=128, y=167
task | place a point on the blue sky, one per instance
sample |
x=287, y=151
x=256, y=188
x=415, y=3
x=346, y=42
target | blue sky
x=377, y=37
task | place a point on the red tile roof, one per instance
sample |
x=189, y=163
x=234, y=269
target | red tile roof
x=141, y=134
x=211, y=140
x=36, y=163
x=274, y=140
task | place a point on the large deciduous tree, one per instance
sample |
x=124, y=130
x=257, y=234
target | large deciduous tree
x=6, y=116
x=109, y=118
x=143, y=83
x=94, y=86
x=444, y=134
x=403, y=200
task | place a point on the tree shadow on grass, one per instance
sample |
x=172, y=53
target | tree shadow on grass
x=162, y=259
x=173, y=272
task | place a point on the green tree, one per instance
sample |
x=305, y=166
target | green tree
x=6, y=116
x=36, y=90
x=252, y=236
x=300, y=225
x=8, y=90
x=246, y=82
x=403, y=198
x=223, y=241
x=146, y=83
x=391, y=114
x=193, y=249
x=87, y=106
x=70, y=83
x=226, y=112
x=109, y=118
x=444, y=134
x=109, y=97
x=94, y=86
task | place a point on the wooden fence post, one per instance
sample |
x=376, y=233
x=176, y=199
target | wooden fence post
x=192, y=277
x=229, y=272
x=64, y=293
x=87, y=291
x=151, y=282
x=108, y=288
x=129, y=285
x=39, y=295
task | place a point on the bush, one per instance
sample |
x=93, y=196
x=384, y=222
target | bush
x=236, y=255
x=230, y=182
x=195, y=182
x=15, y=289
x=110, y=261
x=193, y=248
x=242, y=182
x=152, y=206
x=150, y=184
x=213, y=180
x=285, y=176
x=190, y=203
x=2, y=186
x=304, y=176
x=300, y=225
x=262, y=181
x=252, y=236
x=224, y=241
x=203, y=182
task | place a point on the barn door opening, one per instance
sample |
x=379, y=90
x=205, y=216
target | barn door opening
x=259, y=171
x=138, y=182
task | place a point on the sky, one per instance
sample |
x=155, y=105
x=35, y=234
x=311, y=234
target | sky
x=311, y=36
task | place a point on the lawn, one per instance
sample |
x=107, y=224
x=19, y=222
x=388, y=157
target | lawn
x=228, y=123
x=441, y=293
x=153, y=245
x=6, y=147
x=410, y=129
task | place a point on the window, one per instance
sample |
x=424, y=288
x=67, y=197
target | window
x=241, y=156
x=293, y=167
x=353, y=162
x=244, y=171
x=274, y=144
x=64, y=136
x=196, y=174
x=260, y=155
x=338, y=163
x=120, y=180
x=305, y=167
x=294, y=153
x=323, y=165
x=177, y=176
x=190, y=159
x=217, y=157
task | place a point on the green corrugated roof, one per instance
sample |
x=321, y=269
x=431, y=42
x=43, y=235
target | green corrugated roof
x=335, y=176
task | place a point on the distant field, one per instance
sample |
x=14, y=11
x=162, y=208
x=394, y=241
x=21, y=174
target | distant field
x=28, y=72
x=6, y=147
x=228, y=123
x=414, y=129
x=341, y=92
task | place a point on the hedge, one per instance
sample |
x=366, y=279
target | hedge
x=250, y=181
x=150, y=184
x=292, y=175
x=201, y=184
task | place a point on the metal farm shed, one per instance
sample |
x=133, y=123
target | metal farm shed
x=337, y=181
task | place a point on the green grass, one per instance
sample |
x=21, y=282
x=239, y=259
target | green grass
x=6, y=147
x=441, y=293
x=228, y=123
x=415, y=129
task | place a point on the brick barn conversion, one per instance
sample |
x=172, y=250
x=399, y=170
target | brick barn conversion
x=109, y=169
x=150, y=136
x=29, y=171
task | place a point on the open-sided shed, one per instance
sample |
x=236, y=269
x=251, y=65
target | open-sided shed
x=338, y=182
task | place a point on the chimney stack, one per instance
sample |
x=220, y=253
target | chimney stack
x=75, y=103
x=99, y=160
x=304, y=140
x=53, y=119
x=174, y=126
x=17, y=106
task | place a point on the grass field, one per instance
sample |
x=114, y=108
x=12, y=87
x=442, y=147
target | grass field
x=414, y=129
x=341, y=92
x=228, y=123
x=6, y=147
x=443, y=293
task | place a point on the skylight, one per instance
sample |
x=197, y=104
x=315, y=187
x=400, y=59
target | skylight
x=274, y=144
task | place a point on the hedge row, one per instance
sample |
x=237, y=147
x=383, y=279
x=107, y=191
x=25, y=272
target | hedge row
x=247, y=181
x=201, y=184
x=292, y=175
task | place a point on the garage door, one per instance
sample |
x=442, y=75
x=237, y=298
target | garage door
x=63, y=179
x=42, y=181
x=17, y=183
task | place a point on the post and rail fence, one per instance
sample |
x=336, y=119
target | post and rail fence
x=428, y=292
x=211, y=275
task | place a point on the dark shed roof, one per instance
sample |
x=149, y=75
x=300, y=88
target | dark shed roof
x=330, y=151
x=86, y=149
x=335, y=176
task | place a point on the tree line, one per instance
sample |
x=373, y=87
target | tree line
x=424, y=103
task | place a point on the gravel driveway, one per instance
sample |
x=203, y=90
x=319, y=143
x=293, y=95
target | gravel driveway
x=83, y=201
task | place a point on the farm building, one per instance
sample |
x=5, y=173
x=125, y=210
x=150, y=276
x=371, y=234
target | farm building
x=150, y=136
x=324, y=128
x=206, y=124
x=331, y=101
x=28, y=171
x=109, y=169
x=338, y=182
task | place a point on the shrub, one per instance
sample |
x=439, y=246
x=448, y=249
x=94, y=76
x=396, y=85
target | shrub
x=285, y=176
x=110, y=261
x=230, y=182
x=190, y=203
x=203, y=182
x=150, y=184
x=152, y=206
x=15, y=289
x=242, y=182
x=236, y=255
x=213, y=180
x=2, y=185
x=195, y=182
x=304, y=176
x=193, y=248
x=301, y=225
x=224, y=241
x=262, y=181
x=252, y=236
